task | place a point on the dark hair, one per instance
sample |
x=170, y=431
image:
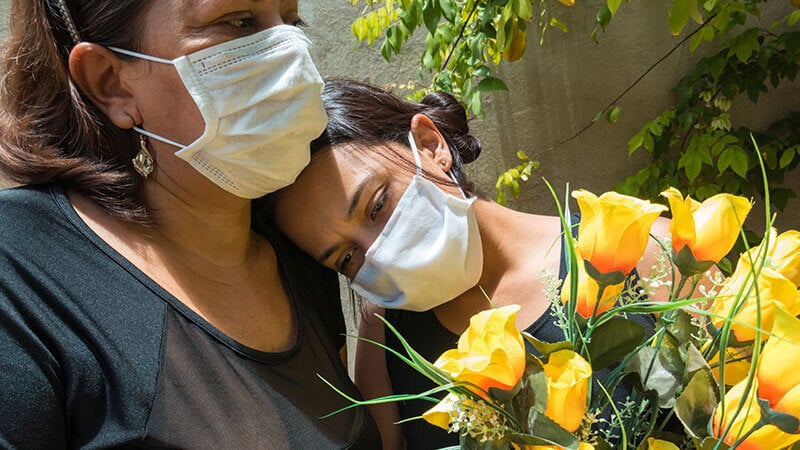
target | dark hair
x=49, y=132
x=361, y=114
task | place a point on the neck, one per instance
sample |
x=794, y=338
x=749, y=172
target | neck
x=213, y=225
x=514, y=242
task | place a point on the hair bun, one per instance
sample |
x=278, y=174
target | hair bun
x=451, y=119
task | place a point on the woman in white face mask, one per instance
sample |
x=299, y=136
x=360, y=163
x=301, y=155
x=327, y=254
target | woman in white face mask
x=139, y=306
x=385, y=202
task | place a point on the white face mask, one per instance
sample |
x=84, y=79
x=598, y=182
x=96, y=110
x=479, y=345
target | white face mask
x=428, y=253
x=260, y=98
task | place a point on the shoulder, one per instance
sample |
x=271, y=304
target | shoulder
x=29, y=215
x=24, y=199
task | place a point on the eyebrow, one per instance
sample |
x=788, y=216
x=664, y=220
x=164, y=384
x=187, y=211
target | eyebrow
x=350, y=210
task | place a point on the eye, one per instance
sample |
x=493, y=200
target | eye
x=378, y=205
x=345, y=260
x=243, y=23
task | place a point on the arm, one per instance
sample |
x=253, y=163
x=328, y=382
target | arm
x=31, y=395
x=372, y=378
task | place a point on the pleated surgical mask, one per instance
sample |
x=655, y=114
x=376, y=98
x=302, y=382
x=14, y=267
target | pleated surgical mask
x=428, y=253
x=260, y=99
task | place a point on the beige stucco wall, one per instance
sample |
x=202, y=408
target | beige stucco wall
x=558, y=89
x=555, y=91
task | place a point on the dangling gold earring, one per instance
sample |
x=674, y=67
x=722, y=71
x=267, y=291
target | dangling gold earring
x=143, y=162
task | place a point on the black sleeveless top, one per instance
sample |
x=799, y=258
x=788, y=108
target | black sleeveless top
x=430, y=338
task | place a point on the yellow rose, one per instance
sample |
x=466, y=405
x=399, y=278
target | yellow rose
x=708, y=229
x=768, y=437
x=779, y=366
x=440, y=414
x=658, y=444
x=587, y=293
x=614, y=229
x=568, y=377
x=783, y=254
x=490, y=353
x=772, y=288
x=737, y=364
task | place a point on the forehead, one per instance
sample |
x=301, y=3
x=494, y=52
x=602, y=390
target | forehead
x=321, y=193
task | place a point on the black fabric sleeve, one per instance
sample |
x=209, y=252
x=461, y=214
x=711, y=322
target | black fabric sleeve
x=31, y=394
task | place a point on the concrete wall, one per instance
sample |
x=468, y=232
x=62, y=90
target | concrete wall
x=558, y=89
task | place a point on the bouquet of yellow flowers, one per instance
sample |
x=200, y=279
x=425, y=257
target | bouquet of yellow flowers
x=719, y=369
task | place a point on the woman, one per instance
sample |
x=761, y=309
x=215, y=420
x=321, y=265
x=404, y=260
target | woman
x=386, y=203
x=139, y=307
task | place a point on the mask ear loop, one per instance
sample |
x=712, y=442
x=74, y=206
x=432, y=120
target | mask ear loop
x=415, y=151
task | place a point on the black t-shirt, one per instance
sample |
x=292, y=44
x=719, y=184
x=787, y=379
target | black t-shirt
x=426, y=335
x=95, y=354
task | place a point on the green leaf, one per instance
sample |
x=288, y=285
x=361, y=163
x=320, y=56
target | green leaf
x=546, y=348
x=523, y=9
x=489, y=84
x=613, y=6
x=691, y=163
x=636, y=142
x=679, y=15
x=533, y=393
x=612, y=340
x=779, y=197
x=359, y=29
x=745, y=45
x=431, y=14
x=603, y=16
x=787, y=157
x=657, y=373
x=547, y=432
x=794, y=17
x=612, y=115
x=695, y=406
x=554, y=22
x=449, y=10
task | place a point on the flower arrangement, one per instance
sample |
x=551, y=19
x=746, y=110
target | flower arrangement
x=719, y=369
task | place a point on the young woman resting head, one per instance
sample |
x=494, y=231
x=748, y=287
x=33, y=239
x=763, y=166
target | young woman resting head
x=386, y=202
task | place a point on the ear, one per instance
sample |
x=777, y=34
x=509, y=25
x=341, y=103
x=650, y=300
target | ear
x=431, y=142
x=95, y=70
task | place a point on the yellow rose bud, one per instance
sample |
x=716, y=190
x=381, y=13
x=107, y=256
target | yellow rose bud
x=738, y=425
x=779, y=366
x=568, y=377
x=772, y=288
x=490, y=353
x=783, y=254
x=708, y=229
x=658, y=444
x=614, y=229
x=586, y=299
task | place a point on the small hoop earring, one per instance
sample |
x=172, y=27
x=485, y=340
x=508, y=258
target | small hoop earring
x=143, y=161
